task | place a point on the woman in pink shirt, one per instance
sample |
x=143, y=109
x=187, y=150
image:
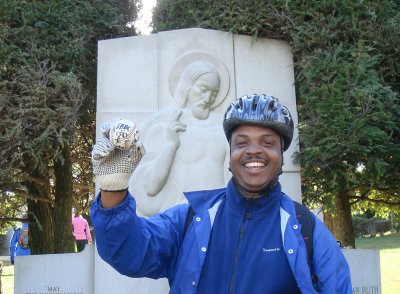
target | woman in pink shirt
x=81, y=231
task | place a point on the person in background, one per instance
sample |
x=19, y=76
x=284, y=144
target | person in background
x=19, y=243
x=81, y=231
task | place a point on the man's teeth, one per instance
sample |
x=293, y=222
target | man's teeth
x=254, y=164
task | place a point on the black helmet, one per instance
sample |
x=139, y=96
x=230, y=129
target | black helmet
x=261, y=110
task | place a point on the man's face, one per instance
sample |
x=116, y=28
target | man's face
x=202, y=95
x=256, y=158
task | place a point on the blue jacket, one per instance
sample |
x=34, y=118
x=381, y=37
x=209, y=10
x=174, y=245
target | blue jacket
x=15, y=249
x=156, y=247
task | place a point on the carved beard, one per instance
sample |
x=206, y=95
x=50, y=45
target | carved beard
x=200, y=110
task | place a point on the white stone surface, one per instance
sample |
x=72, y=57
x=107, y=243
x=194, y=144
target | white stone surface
x=365, y=270
x=87, y=273
x=55, y=273
x=108, y=280
x=127, y=75
x=290, y=182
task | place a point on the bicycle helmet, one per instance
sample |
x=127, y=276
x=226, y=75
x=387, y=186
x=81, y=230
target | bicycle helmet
x=260, y=110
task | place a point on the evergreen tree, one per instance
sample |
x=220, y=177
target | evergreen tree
x=347, y=69
x=47, y=104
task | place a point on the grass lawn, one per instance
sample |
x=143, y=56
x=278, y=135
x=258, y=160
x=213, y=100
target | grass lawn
x=389, y=246
x=7, y=278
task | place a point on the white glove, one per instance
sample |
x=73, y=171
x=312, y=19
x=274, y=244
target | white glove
x=114, y=166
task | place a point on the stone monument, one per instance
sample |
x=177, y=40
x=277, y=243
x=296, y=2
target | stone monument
x=176, y=86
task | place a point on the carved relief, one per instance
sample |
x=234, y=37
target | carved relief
x=185, y=144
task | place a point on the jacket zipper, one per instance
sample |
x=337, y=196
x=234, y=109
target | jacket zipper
x=246, y=217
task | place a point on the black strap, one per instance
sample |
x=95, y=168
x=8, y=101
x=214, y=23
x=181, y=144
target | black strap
x=307, y=221
x=188, y=220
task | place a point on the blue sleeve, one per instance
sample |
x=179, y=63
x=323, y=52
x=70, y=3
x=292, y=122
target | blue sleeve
x=135, y=246
x=13, y=241
x=329, y=263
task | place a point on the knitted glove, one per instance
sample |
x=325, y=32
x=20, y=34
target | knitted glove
x=114, y=166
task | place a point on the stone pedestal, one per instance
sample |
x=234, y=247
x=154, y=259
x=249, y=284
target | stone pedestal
x=72, y=273
x=87, y=273
x=365, y=270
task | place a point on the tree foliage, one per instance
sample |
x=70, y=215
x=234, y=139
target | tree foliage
x=347, y=73
x=47, y=104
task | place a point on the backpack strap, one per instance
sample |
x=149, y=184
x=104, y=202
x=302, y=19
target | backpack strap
x=307, y=221
x=189, y=218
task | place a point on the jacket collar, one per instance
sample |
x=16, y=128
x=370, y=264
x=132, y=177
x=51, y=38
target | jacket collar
x=203, y=200
x=258, y=206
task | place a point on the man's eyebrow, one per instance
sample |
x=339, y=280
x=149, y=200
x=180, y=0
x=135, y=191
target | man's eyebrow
x=262, y=136
x=270, y=135
x=240, y=135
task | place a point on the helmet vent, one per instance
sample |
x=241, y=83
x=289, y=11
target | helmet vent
x=255, y=104
x=240, y=105
x=272, y=105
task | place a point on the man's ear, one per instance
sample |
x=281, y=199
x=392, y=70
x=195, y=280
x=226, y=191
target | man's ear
x=282, y=144
x=230, y=146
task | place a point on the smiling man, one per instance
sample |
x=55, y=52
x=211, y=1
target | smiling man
x=244, y=238
x=256, y=159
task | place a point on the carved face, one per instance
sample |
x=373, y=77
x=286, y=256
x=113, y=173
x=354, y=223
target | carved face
x=256, y=158
x=203, y=94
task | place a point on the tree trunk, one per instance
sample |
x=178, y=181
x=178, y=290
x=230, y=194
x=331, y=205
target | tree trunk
x=40, y=217
x=64, y=240
x=328, y=221
x=343, y=226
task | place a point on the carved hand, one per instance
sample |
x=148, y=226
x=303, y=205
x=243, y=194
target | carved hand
x=174, y=127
